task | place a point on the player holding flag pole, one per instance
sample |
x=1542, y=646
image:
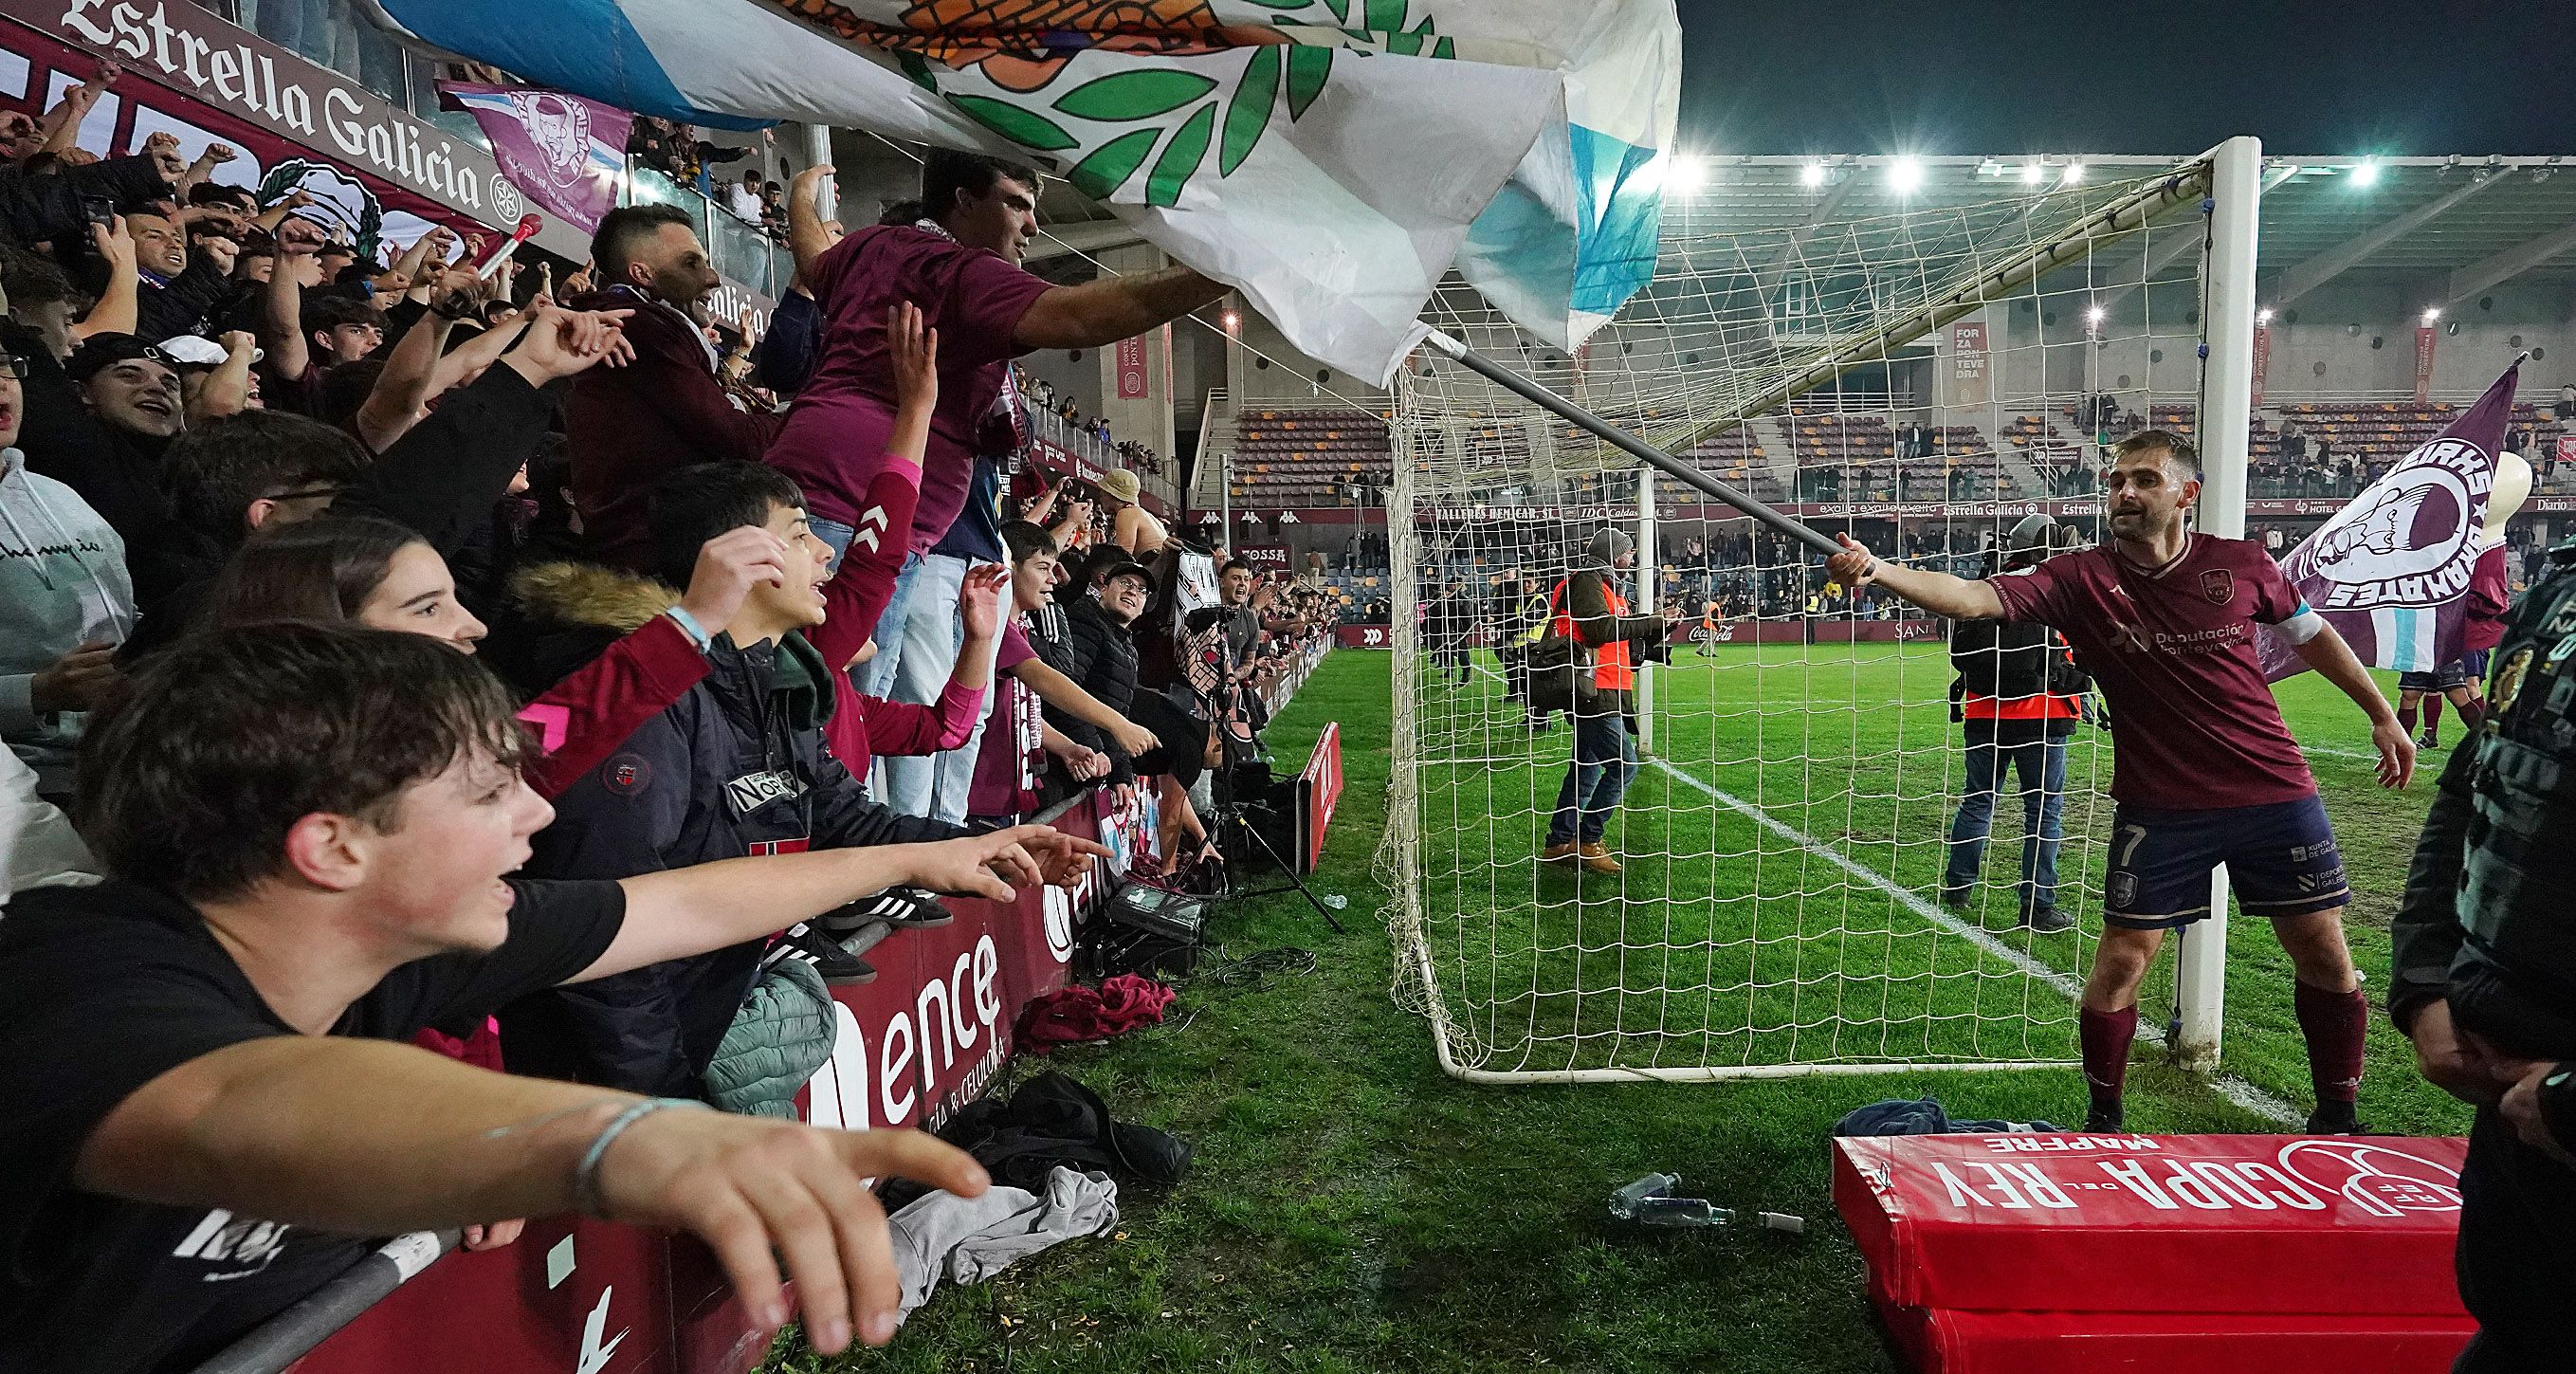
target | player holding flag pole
x=2204, y=772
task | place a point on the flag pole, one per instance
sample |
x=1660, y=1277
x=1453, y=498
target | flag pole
x=1629, y=444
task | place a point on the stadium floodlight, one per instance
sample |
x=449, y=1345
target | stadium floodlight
x=1812, y=175
x=2263, y=316
x=2365, y=173
x=1905, y=175
x=2432, y=313
x=1686, y=174
x=2032, y=172
x=2074, y=172
x=2093, y=315
x=1233, y=322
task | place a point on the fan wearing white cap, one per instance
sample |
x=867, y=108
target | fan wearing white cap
x=1132, y=527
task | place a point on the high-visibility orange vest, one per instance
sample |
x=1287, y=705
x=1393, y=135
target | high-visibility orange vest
x=1613, y=670
x=2037, y=706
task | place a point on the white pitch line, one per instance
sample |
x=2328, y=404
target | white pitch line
x=2243, y=1094
x=2229, y=1086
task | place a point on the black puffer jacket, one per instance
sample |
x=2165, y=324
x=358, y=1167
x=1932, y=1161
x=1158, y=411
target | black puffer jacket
x=737, y=766
x=1100, y=657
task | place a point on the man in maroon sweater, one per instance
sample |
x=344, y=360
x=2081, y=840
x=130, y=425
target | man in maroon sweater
x=665, y=410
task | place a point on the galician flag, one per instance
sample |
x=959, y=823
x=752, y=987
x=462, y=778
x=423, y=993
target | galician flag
x=2391, y=570
x=1332, y=159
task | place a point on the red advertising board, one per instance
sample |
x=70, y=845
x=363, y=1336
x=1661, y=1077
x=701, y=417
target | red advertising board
x=1319, y=791
x=1364, y=636
x=1803, y=631
x=2426, y=340
x=1263, y=557
x=2122, y=1223
x=1134, y=383
x=913, y=1045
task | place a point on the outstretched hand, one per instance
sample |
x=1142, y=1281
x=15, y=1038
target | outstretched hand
x=1855, y=567
x=2396, y=753
x=761, y=1191
x=979, y=599
x=913, y=350
x=564, y=343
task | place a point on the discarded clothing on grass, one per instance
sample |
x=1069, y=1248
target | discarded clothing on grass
x=1052, y=1122
x=1075, y=1014
x=972, y=1239
x=1899, y=1116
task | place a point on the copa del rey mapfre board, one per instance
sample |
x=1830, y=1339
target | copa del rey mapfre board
x=2216, y=1224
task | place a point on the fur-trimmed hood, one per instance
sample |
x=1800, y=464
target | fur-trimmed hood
x=590, y=594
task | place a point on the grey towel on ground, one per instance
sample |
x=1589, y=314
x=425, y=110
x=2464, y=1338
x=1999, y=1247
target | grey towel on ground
x=972, y=1239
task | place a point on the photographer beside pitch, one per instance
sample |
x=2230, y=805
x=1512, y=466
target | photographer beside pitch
x=2203, y=770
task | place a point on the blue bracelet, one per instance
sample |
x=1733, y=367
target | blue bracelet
x=585, y=1175
x=689, y=625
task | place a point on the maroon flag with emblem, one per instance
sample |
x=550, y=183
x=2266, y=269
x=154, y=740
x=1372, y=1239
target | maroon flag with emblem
x=2390, y=571
x=563, y=152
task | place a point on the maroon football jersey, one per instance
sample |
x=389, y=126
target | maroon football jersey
x=2193, y=725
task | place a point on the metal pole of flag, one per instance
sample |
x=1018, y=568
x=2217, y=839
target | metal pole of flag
x=2226, y=410
x=1649, y=568
x=1654, y=458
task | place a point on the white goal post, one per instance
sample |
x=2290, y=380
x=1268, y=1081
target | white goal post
x=1802, y=891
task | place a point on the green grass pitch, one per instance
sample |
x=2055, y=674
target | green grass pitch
x=1352, y=1208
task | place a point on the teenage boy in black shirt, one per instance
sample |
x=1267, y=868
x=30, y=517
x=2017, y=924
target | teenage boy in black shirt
x=308, y=830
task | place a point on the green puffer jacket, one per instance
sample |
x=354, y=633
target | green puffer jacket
x=780, y=1037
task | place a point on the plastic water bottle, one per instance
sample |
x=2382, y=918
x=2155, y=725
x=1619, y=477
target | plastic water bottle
x=1626, y=1203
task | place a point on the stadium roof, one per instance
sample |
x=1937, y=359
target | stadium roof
x=2444, y=228
x=2455, y=226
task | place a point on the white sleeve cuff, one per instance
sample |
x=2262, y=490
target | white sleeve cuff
x=2301, y=628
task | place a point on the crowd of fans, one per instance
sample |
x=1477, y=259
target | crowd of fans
x=1041, y=395
x=676, y=151
x=523, y=668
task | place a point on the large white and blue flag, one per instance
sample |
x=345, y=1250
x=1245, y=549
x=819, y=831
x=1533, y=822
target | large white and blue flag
x=1330, y=158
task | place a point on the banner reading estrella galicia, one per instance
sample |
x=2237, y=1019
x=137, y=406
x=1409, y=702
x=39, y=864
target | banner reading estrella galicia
x=2391, y=569
x=1332, y=159
x=563, y=152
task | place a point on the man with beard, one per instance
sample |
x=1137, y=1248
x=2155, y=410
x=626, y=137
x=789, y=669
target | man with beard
x=2204, y=772
x=664, y=411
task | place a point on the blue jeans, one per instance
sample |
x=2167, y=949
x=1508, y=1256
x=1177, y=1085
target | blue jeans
x=1605, y=762
x=2041, y=762
x=918, y=648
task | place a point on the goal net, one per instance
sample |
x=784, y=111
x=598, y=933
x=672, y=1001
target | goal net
x=1797, y=894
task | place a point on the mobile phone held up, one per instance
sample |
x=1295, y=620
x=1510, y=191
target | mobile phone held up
x=99, y=210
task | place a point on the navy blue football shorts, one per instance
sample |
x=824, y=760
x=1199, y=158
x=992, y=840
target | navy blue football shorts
x=2281, y=861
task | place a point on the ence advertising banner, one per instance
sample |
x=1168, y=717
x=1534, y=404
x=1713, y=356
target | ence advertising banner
x=911, y=1047
x=369, y=167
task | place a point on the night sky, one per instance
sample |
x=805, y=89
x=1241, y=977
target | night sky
x=2128, y=76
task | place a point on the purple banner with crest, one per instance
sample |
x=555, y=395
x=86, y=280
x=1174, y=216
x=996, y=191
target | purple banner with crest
x=564, y=153
x=2391, y=570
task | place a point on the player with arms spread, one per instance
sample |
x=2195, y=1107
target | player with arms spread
x=2204, y=772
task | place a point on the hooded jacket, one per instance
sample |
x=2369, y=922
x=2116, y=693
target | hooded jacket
x=62, y=581
x=737, y=766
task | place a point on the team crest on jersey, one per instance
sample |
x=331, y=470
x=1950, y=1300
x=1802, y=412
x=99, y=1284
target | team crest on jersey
x=2219, y=585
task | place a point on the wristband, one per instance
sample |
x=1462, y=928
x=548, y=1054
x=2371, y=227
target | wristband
x=585, y=1175
x=689, y=625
